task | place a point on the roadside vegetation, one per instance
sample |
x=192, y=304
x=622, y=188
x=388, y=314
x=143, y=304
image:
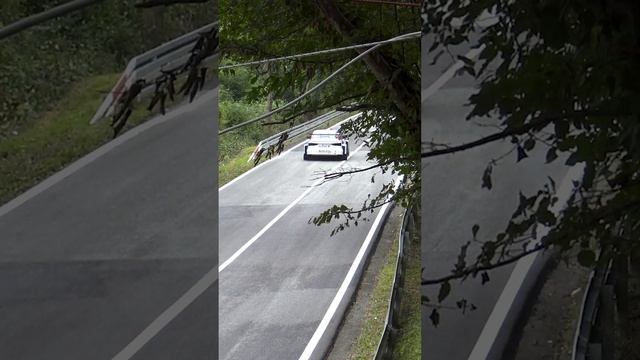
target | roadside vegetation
x=54, y=76
x=39, y=66
x=564, y=85
x=408, y=344
x=240, y=101
x=367, y=344
x=384, y=86
x=58, y=137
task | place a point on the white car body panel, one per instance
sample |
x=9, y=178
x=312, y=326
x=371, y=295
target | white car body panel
x=326, y=143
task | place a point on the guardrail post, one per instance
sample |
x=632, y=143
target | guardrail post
x=395, y=310
x=621, y=290
x=387, y=354
x=595, y=352
x=607, y=322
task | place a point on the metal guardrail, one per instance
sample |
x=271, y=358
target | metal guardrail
x=593, y=338
x=384, y=350
x=148, y=66
x=295, y=131
x=588, y=313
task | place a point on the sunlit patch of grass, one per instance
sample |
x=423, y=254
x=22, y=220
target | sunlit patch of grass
x=367, y=343
x=233, y=167
x=59, y=137
x=409, y=341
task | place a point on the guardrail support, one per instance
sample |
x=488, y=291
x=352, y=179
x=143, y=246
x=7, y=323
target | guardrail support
x=607, y=322
x=392, y=323
x=595, y=351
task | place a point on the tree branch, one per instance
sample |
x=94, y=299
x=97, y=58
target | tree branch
x=154, y=3
x=615, y=213
x=477, y=269
x=356, y=107
x=540, y=123
x=320, y=107
x=336, y=175
x=533, y=125
x=368, y=208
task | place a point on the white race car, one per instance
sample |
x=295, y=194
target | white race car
x=326, y=143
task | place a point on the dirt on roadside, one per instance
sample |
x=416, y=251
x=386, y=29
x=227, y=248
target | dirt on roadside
x=549, y=327
x=352, y=324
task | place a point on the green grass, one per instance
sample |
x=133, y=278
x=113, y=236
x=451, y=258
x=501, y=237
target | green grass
x=58, y=137
x=367, y=343
x=409, y=342
x=233, y=162
x=235, y=166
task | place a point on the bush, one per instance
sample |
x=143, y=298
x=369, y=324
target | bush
x=39, y=65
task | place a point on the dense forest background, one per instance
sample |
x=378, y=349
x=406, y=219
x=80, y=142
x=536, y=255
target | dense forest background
x=39, y=66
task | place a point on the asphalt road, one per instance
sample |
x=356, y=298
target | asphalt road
x=90, y=262
x=453, y=201
x=275, y=293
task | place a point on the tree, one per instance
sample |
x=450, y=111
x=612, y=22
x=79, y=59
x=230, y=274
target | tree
x=385, y=84
x=569, y=83
x=39, y=63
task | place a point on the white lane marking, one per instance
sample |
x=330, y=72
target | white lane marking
x=203, y=284
x=167, y=316
x=447, y=75
x=99, y=152
x=277, y=157
x=279, y=216
x=507, y=297
x=337, y=299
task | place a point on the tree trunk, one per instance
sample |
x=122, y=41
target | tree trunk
x=269, y=105
x=402, y=88
x=307, y=84
x=621, y=287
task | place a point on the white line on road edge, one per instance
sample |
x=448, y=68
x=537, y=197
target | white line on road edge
x=277, y=157
x=280, y=215
x=203, y=284
x=333, y=307
x=99, y=152
x=505, y=301
x=447, y=75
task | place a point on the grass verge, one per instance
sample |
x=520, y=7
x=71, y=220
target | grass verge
x=367, y=343
x=407, y=345
x=234, y=167
x=231, y=166
x=409, y=341
x=59, y=137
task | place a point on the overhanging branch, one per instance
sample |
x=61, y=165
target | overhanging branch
x=154, y=3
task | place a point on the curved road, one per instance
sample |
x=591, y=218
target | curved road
x=453, y=201
x=96, y=253
x=274, y=294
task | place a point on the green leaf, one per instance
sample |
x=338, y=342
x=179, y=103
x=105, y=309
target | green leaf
x=445, y=289
x=435, y=317
x=485, y=277
x=561, y=128
x=521, y=153
x=529, y=144
x=551, y=155
x=465, y=60
x=573, y=159
x=586, y=258
x=486, y=177
x=553, y=183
